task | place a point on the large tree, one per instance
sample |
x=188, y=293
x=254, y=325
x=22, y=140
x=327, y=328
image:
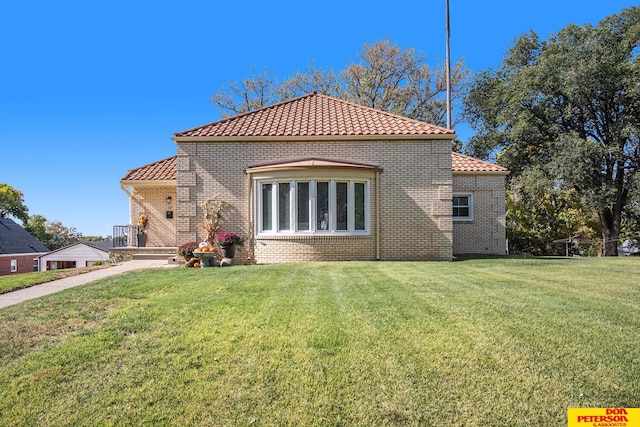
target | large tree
x=539, y=216
x=53, y=234
x=12, y=203
x=568, y=108
x=387, y=78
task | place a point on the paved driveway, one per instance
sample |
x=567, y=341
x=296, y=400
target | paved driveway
x=37, y=291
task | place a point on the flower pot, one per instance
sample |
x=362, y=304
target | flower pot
x=228, y=251
x=142, y=240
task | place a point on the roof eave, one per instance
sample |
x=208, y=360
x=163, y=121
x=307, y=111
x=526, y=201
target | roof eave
x=504, y=173
x=324, y=138
x=149, y=182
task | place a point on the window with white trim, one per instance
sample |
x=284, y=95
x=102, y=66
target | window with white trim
x=313, y=206
x=14, y=265
x=463, y=206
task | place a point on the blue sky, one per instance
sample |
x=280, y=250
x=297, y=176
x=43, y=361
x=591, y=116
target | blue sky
x=89, y=90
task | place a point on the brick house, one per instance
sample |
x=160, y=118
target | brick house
x=318, y=178
x=19, y=250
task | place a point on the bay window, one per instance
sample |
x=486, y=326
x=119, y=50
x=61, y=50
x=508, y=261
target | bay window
x=313, y=206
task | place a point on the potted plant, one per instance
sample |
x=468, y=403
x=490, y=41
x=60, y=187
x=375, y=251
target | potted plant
x=186, y=250
x=228, y=241
x=143, y=221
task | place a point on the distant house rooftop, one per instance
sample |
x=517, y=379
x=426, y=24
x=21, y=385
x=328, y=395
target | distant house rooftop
x=16, y=240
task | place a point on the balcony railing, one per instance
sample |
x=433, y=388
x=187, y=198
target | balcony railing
x=125, y=235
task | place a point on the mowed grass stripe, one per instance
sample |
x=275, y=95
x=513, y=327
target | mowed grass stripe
x=477, y=342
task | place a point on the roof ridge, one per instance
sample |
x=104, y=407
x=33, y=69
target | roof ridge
x=384, y=112
x=316, y=115
x=70, y=245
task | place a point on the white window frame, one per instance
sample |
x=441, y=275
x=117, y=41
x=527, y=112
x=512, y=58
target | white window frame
x=14, y=265
x=469, y=197
x=293, y=211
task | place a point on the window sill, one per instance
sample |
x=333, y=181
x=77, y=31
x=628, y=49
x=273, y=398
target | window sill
x=317, y=236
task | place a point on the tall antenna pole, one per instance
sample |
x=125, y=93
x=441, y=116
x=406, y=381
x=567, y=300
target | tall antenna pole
x=448, y=70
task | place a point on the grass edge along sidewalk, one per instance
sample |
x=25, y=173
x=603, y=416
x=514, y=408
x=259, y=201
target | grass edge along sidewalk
x=15, y=282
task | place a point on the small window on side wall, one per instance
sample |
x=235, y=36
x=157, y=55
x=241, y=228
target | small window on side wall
x=463, y=207
x=14, y=265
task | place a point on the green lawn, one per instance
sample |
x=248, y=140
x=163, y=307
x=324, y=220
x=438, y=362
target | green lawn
x=14, y=282
x=483, y=342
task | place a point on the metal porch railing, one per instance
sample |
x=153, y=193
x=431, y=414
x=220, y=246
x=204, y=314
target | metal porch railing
x=125, y=235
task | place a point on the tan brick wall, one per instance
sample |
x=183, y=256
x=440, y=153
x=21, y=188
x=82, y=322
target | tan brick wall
x=320, y=248
x=415, y=197
x=486, y=233
x=161, y=231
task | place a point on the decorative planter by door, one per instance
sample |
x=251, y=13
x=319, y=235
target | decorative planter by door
x=142, y=240
x=228, y=251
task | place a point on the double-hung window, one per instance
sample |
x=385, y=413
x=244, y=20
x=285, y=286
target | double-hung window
x=463, y=206
x=313, y=206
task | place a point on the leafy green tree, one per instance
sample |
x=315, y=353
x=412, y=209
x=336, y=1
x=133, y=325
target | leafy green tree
x=95, y=239
x=537, y=216
x=387, y=78
x=12, y=203
x=62, y=235
x=36, y=225
x=569, y=108
x=53, y=234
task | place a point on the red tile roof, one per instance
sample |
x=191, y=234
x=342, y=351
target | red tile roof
x=162, y=170
x=316, y=116
x=165, y=170
x=461, y=163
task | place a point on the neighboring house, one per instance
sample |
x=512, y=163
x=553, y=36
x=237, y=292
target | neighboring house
x=19, y=250
x=80, y=254
x=318, y=178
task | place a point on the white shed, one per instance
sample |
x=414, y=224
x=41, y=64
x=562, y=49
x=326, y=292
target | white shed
x=80, y=254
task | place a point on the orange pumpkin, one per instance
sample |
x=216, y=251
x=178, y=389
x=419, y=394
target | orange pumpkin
x=196, y=265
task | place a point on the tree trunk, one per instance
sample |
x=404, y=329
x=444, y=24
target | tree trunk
x=610, y=231
x=611, y=218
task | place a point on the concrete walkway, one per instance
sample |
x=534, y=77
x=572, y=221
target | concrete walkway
x=37, y=291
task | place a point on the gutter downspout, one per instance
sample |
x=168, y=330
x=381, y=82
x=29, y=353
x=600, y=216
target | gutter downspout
x=250, y=219
x=377, y=215
x=126, y=190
